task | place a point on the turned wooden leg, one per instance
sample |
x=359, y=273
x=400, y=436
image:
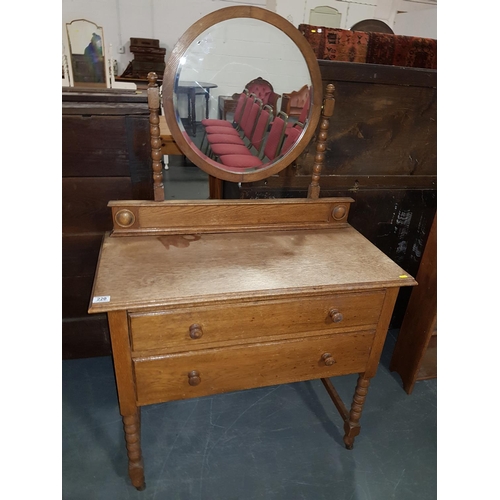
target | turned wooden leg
x=132, y=426
x=351, y=425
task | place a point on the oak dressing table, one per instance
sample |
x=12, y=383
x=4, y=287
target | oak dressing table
x=211, y=296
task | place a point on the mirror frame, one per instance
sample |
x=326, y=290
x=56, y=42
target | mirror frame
x=172, y=66
x=79, y=83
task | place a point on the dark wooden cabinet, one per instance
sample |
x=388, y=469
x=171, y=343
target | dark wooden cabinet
x=415, y=352
x=106, y=155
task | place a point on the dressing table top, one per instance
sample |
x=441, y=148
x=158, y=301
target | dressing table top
x=149, y=271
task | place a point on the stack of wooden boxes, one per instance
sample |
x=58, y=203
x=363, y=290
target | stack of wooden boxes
x=148, y=56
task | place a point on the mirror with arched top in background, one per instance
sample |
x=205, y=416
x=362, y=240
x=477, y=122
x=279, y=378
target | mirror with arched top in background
x=86, y=53
x=242, y=93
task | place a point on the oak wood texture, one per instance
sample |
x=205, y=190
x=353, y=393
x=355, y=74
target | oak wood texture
x=169, y=79
x=352, y=427
x=415, y=352
x=167, y=270
x=201, y=216
x=168, y=145
x=165, y=378
x=154, y=130
x=258, y=319
x=319, y=159
x=241, y=294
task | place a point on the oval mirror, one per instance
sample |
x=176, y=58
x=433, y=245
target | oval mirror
x=242, y=93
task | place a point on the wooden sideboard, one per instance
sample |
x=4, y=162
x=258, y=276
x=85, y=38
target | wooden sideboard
x=106, y=155
x=206, y=297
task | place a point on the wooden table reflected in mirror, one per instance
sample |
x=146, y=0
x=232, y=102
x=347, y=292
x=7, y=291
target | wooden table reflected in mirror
x=192, y=89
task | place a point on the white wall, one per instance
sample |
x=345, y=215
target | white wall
x=167, y=20
x=121, y=20
x=417, y=23
x=230, y=55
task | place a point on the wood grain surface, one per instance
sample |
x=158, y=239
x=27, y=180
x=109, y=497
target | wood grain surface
x=166, y=378
x=255, y=320
x=149, y=271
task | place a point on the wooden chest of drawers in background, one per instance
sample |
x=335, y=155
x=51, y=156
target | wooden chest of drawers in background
x=105, y=155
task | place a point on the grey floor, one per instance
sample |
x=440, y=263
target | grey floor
x=184, y=181
x=281, y=442
x=273, y=443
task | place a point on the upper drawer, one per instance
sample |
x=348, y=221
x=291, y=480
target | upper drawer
x=195, y=326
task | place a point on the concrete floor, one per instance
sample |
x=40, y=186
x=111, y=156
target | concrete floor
x=273, y=443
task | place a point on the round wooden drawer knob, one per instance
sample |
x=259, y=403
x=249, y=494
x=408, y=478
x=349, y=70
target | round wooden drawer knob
x=195, y=331
x=328, y=359
x=194, y=377
x=336, y=315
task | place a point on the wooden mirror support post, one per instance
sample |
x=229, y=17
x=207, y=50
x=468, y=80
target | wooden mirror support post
x=326, y=114
x=154, y=129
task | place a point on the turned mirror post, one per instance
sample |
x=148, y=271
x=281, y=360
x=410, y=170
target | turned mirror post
x=154, y=130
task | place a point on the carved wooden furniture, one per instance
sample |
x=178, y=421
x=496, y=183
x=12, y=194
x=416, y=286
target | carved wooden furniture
x=293, y=103
x=211, y=296
x=259, y=87
x=415, y=352
x=263, y=90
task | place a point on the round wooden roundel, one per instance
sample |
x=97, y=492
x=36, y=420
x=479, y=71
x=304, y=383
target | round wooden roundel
x=124, y=218
x=339, y=212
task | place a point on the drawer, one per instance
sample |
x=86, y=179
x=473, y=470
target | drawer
x=185, y=328
x=212, y=371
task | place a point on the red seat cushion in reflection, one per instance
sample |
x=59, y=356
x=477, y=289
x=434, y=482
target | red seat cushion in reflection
x=229, y=149
x=217, y=129
x=240, y=161
x=291, y=137
x=207, y=122
x=224, y=139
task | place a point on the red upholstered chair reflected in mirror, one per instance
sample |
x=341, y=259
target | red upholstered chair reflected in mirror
x=294, y=102
x=264, y=91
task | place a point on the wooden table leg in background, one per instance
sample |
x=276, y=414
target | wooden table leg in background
x=215, y=188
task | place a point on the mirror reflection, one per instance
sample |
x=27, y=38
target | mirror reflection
x=86, y=45
x=242, y=94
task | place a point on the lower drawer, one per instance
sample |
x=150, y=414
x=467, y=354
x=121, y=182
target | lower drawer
x=211, y=371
